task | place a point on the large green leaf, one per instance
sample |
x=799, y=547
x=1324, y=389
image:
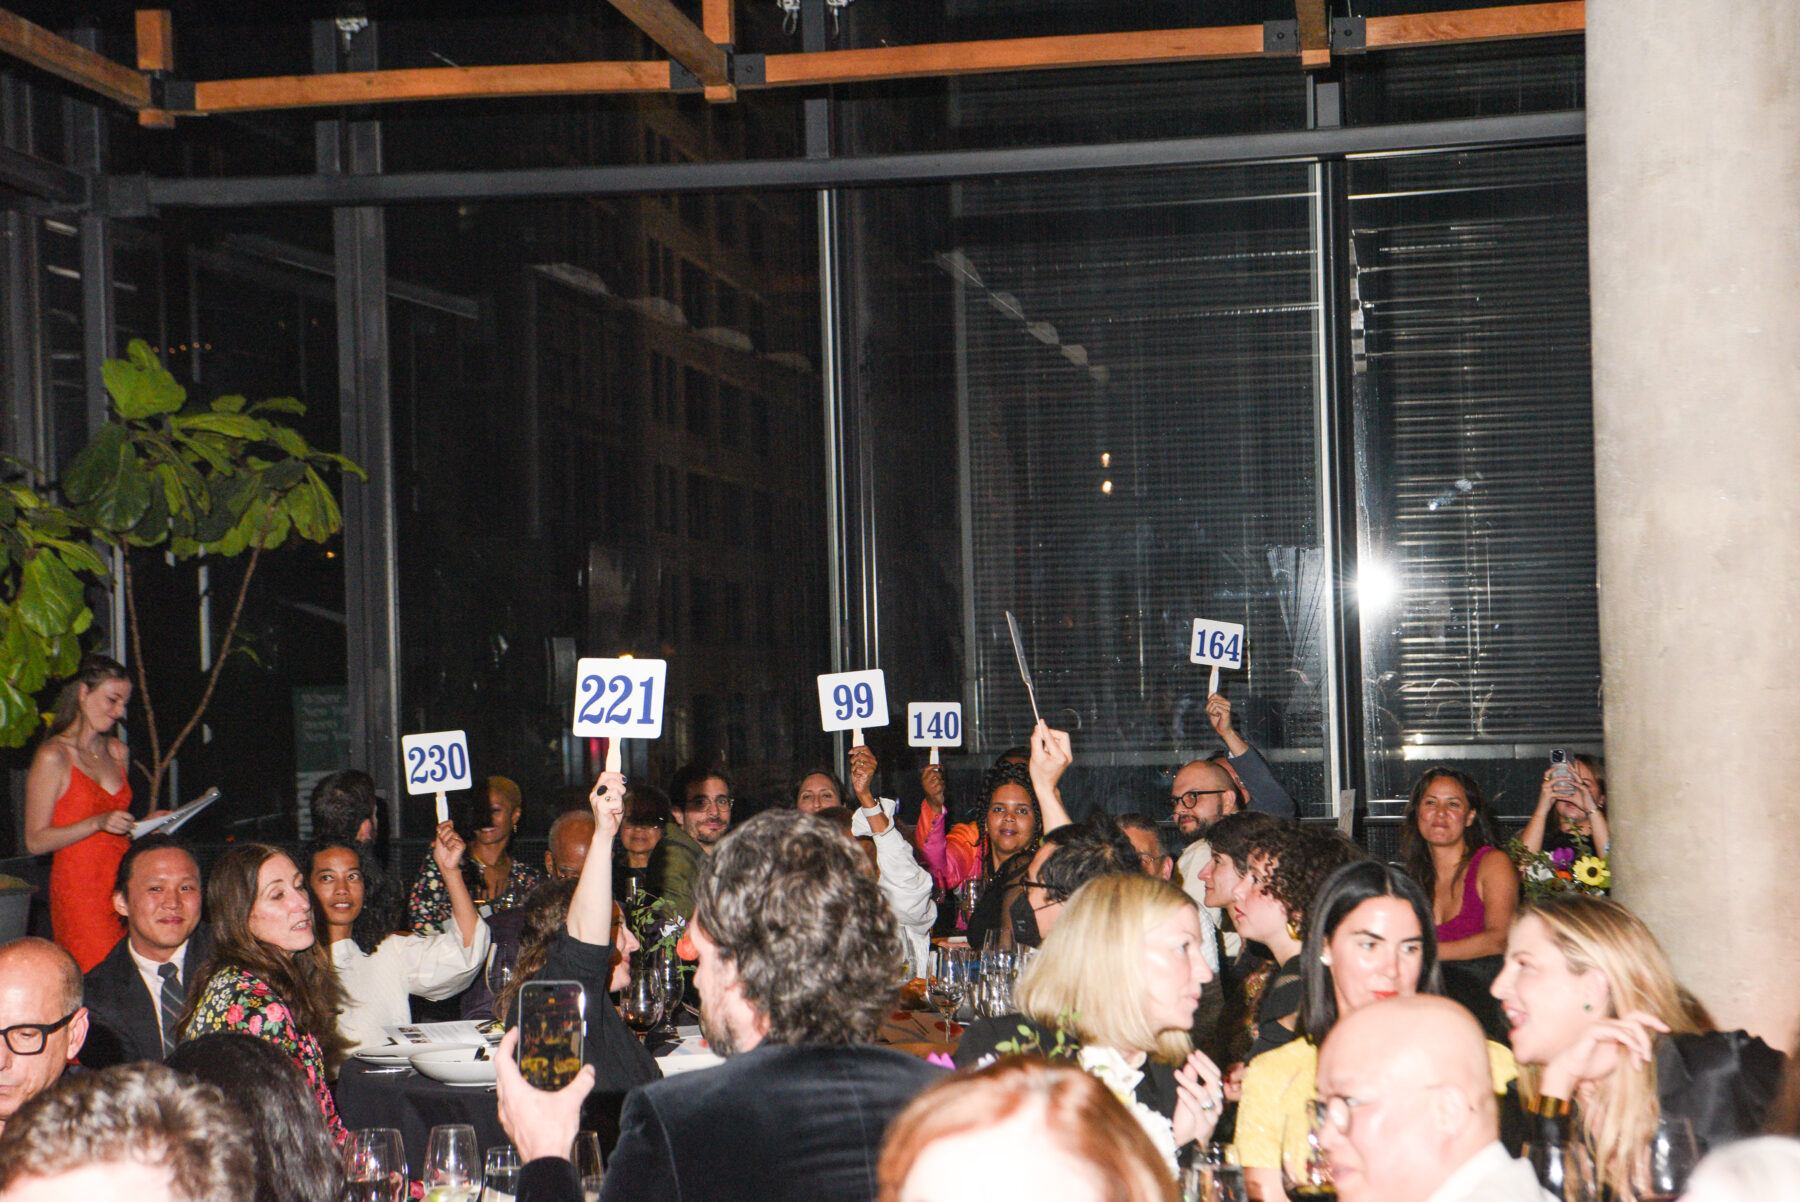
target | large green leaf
x=280, y=404
x=18, y=717
x=79, y=556
x=284, y=475
x=231, y=425
x=49, y=594
x=289, y=440
x=140, y=385
x=121, y=506
x=96, y=466
x=228, y=404
x=153, y=527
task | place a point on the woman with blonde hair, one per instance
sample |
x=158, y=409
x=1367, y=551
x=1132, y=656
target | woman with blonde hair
x=1114, y=989
x=1020, y=1128
x=1598, y=1020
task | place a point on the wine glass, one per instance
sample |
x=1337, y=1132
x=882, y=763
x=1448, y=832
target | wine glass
x=586, y=1157
x=1667, y=1161
x=968, y=896
x=641, y=1004
x=499, y=976
x=665, y=966
x=452, y=1164
x=952, y=972
x=375, y=1165
x=1565, y=1170
x=500, y=1174
x=1305, y=1170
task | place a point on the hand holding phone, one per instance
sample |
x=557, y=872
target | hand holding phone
x=552, y=1032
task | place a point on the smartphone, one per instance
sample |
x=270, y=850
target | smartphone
x=552, y=1031
x=1562, y=772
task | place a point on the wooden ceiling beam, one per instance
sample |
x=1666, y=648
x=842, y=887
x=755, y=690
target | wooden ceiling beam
x=719, y=24
x=155, y=52
x=34, y=44
x=1014, y=54
x=429, y=83
x=1476, y=25
x=1315, y=38
x=684, y=41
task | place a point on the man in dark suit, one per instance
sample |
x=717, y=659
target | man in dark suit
x=136, y=996
x=798, y=959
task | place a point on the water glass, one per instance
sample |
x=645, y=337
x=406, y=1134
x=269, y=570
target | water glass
x=585, y=1155
x=1667, y=1162
x=1565, y=1170
x=500, y=1174
x=1305, y=1169
x=452, y=1164
x=375, y=1165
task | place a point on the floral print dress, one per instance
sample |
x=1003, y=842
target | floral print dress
x=428, y=905
x=242, y=1003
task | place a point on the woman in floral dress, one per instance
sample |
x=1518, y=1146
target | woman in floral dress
x=268, y=975
x=497, y=881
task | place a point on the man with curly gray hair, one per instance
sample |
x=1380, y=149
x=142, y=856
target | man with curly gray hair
x=799, y=958
x=139, y=1131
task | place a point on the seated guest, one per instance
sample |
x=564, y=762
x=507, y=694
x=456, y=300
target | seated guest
x=1596, y=1014
x=592, y=944
x=1020, y=1128
x=1244, y=967
x=820, y=789
x=1114, y=989
x=1287, y=866
x=344, y=808
x=1447, y=843
x=380, y=967
x=137, y=1131
x=700, y=800
x=42, y=1022
x=496, y=880
x=993, y=852
x=1072, y=855
x=137, y=995
x=570, y=836
x=268, y=975
x=646, y=813
x=798, y=959
x=1147, y=837
x=1369, y=939
x=271, y=1104
x=1410, y=1110
x=1576, y=795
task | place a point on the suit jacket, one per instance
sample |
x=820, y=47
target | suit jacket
x=774, y=1124
x=122, y=1013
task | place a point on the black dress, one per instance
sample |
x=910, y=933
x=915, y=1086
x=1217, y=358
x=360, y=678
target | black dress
x=981, y=1039
x=620, y=1060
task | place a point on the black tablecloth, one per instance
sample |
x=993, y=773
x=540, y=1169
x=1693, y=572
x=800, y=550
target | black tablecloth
x=413, y=1104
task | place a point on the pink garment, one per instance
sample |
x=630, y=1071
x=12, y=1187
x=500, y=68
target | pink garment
x=1472, y=918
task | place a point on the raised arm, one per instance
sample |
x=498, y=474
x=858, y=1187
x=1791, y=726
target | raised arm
x=862, y=773
x=1533, y=834
x=590, y=910
x=1051, y=756
x=447, y=852
x=1267, y=794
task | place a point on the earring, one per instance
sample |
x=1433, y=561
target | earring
x=1587, y=1006
x=1325, y=960
x=1293, y=929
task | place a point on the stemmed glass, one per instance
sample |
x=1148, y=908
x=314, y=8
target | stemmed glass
x=952, y=974
x=665, y=966
x=500, y=1174
x=452, y=1164
x=586, y=1156
x=641, y=1004
x=1565, y=1170
x=968, y=896
x=1305, y=1170
x=375, y=1165
x=1667, y=1161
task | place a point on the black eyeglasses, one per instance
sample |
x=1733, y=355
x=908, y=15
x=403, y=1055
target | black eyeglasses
x=707, y=803
x=27, y=1039
x=1191, y=799
x=1049, y=892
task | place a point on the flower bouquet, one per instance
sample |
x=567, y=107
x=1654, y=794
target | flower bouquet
x=1567, y=870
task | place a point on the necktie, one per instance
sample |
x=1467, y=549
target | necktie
x=173, y=1003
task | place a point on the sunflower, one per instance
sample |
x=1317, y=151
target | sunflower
x=1592, y=872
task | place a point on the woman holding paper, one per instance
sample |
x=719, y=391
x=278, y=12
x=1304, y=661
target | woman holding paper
x=78, y=805
x=382, y=966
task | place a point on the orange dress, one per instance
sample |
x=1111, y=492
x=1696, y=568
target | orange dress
x=81, y=874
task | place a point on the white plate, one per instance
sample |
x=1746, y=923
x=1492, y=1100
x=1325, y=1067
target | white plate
x=389, y=1055
x=454, y=1065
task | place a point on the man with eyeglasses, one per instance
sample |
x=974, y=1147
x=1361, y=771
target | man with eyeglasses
x=699, y=817
x=42, y=1021
x=1410, y=1110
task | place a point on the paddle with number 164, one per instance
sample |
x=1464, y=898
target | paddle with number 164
x=619, y=699
x=1220, y=644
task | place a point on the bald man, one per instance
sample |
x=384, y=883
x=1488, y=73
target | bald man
x=42, y=1021
x=1411, y=1114
x=570, y=835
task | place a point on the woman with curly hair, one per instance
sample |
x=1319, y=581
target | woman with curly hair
x=268, y=974
x=1270, y=904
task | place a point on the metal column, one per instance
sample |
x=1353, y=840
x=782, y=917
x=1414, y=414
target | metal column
x=352, y=146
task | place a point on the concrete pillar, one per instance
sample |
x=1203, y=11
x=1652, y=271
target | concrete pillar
x=1694, y=218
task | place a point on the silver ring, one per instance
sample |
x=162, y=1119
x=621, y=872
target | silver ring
x=1206, y=1103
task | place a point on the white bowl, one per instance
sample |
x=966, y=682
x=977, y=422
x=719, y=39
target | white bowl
x=454, y=1065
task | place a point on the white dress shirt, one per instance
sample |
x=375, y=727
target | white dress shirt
x=904, y=882
x=379, y=983
x=1491, y=1176
x=151, y=971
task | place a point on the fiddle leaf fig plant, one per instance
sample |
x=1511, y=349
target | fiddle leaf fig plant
x=43, y=605
x=222, y=478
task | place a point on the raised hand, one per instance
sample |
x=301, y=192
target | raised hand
x=1218, y=712
x=1199, y=1094
x=1051, y=755
x=931, y=779
x=447, y=848
x=608, y=800
x=539, y=1122
x=862, y=770
x=1596, y=1052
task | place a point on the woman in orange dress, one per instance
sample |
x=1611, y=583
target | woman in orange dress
x=78, y=805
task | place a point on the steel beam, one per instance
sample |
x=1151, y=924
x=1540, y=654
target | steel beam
x=140, y=195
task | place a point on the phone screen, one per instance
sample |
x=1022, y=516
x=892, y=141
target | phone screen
x=552, y=1028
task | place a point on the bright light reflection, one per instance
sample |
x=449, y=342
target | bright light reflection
x=1377, y=586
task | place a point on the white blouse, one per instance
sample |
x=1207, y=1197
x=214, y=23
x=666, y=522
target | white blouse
x=379, y=983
